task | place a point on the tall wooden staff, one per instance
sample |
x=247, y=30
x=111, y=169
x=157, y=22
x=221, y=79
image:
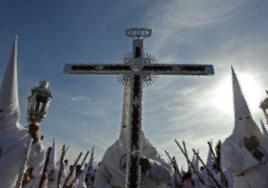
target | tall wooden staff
x=217, y=160
x=44, y=172
x=208, y=171
x=84, y=159
x=82, y=164
x=174, y=164
x=63, y=152
x=90, y=169
x=72, y=170
x=211, y=149
x=184, y=152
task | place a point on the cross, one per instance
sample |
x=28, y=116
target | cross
x=137, y=69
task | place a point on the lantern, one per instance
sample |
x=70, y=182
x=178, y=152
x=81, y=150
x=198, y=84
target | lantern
x=38, y=102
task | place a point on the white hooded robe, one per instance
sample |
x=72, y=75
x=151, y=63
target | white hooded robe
x=13, y=137
x=112, y=170
x=247, y=170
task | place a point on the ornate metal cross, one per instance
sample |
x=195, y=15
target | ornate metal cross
x=137, y=69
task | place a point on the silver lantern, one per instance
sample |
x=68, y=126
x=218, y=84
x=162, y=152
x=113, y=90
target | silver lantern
x=38, y=102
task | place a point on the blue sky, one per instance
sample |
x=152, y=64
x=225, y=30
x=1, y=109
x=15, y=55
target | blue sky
x=86, y=110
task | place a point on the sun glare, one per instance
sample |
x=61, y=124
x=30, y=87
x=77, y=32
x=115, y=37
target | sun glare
x=251, y=89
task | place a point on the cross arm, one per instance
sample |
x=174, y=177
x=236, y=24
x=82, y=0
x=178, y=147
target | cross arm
x=96, y=68
x=178, y=69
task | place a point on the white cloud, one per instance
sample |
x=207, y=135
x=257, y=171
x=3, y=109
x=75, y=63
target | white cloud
x=192, y=14
x=81, y=98
x=175, y=19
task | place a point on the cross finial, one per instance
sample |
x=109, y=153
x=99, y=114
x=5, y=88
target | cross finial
x=138, y=33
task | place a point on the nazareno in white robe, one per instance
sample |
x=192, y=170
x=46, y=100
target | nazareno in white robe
x=13, y=145
x=13, y=137
x=111, y=172
x=248, y=170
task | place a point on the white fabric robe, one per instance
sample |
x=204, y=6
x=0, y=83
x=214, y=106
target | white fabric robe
x=52, y=179
x=80, y=182
x=12, y=145
x=247, y=170
x=237, y=159
x=111, y=172
x=230, y=178
x=13, y=138
x=37, y=172
x=110, y=175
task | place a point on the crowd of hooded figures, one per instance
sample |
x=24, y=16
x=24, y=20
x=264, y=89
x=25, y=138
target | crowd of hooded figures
x=199, y=173
x=55, y=171
x=239, y=162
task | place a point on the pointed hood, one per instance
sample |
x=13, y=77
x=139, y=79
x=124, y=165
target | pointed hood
x=193, y=162
x=125, y=115
x=53, y=160
x=209, y=163
x=9, y=100
x=193, y=158
x=241, y=108
x=196, y=163
x=123, y=138
x=89, y=169
x=244, y=124
x=91, y=159
x=52, y=165
x=117, y=153
x=264, y=130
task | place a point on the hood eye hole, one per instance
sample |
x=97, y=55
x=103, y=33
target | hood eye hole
x=1, y=111
x=240, y=118
x=248, y=118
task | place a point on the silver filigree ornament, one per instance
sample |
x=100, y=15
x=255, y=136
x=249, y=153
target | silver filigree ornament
x=136, y=65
